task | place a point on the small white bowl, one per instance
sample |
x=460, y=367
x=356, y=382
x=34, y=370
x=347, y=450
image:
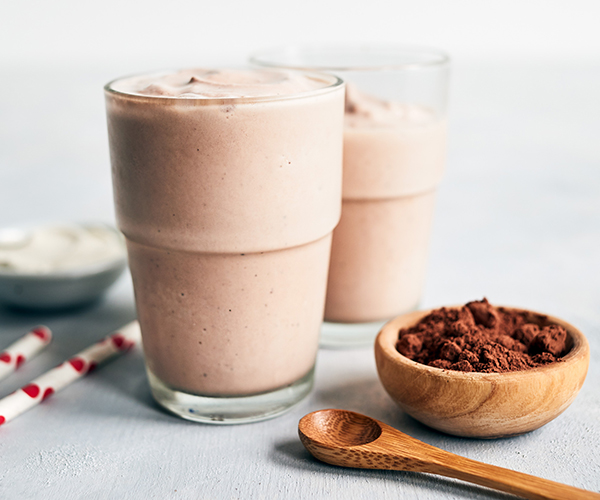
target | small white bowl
x=59, y=289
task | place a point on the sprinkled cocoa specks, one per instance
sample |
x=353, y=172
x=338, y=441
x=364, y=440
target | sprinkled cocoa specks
x=479, y=337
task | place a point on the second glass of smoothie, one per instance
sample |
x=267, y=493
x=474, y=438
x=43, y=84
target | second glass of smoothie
x=394, y=155
x=227, y=187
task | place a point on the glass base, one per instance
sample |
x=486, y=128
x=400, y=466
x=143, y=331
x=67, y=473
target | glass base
x=230, y=410
x=349, y=335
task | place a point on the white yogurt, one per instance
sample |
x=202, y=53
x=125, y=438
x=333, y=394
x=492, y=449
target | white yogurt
x=49, y=249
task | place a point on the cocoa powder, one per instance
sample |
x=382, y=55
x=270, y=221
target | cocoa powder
x=479, y=337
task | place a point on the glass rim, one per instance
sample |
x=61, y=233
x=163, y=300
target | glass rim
x=268, y=57
x=334, y=83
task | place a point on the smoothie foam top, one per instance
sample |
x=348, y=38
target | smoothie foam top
x=202, y=83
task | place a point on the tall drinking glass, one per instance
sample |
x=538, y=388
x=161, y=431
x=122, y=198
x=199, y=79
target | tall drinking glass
x=227, y=186
x=394, y=154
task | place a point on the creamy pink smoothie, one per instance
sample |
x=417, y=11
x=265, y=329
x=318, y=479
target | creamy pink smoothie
x=227, y=187
x=393, y=161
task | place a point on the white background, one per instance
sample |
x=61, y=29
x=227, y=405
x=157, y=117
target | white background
x=136, y=36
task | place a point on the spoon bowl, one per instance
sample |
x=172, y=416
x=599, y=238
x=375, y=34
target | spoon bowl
x=349, y=439
x=340, y=428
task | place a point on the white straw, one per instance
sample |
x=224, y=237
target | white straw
x=68, y=372
x=27, y=347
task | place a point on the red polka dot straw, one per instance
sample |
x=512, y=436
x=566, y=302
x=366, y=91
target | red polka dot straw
x=66, y=373
x=23, y=349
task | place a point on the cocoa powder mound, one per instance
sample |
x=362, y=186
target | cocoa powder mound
x=479, y=337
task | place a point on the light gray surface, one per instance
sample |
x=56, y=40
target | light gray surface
x=518, y=221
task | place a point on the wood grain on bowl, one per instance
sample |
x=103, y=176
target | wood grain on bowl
x=483, y=405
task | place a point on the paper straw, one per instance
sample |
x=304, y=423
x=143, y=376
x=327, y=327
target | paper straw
x=23, y=349
x=71, y=370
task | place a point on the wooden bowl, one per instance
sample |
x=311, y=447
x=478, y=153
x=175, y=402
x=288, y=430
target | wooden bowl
x=481, y=405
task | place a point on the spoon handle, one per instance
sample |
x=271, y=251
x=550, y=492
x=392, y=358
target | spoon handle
x=524, y=485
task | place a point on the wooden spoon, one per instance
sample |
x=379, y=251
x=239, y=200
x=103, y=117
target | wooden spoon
x=349, y=439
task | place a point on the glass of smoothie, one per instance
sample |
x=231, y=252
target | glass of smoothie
x=394, y=154
x=227, y=187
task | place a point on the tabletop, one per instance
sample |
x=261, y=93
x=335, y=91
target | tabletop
x=517, y=221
